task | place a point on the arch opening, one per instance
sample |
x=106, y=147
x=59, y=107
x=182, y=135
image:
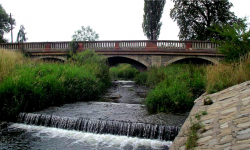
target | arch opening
x=195, y=61
x=114, y=61
x=52, y=60
x=192, y=60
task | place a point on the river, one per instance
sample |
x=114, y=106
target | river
x=119, y=120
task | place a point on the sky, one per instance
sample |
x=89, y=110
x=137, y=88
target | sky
x=57, y=20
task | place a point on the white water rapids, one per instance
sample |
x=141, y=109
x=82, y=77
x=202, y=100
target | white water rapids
x=70, y=139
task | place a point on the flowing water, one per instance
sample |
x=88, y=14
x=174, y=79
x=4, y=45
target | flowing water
x=119, y=120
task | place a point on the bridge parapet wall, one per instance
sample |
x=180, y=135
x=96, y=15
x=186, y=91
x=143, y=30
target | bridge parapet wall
x=115, y=45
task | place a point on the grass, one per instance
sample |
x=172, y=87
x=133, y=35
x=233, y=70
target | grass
x=192, y=138
x=224, y=75
x=27, y=86
x=174, y=88
x=35, y=86
x=9, y=60
x=123, y=71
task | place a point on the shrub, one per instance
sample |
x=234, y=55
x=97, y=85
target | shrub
x=174, y=87
x=36, y=86
x=97, y=63
x=170, y=96
x=123, y=71
x=236, y=41
x=141, y=78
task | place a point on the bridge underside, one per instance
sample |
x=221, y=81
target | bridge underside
x=113, y=61
x=195, y=61
x=142, y=62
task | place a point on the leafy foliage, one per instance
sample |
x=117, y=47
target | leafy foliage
x=196, y=17
x=97, y=62
x=123, y=71
x=5, y=24
x=174, y=87
x=236, y=40
x=151, y=25
x=35, y=86
x=21, y=35
x=85, y=34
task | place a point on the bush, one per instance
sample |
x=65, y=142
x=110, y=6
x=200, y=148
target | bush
x=141, y=78
x=97, y=63
x=170, y=96
x=37, y=86
x=123, y=71
x=174, y=87
x=236, y=41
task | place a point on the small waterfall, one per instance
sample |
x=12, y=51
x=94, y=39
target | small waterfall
x=141, y=130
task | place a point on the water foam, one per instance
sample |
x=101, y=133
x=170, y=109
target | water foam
x=92, y=139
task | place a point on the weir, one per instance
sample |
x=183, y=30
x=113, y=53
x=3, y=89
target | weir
x=132, y=129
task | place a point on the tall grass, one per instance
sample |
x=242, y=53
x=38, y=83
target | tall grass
x=174, y=88
x=9, y=60
x=224, y=75
x=123, y=71
x=35, y=86
x=97, y=64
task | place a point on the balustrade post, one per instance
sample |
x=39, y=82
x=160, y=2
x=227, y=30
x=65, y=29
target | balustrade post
x=79, y=46
x=20, y=45
x=117, y=45
x=48, y=46
x=151, y=45
x=188, y=46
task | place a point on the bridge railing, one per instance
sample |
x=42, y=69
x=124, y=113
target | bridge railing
x=115, y=45
x=171, y=44
x=97, y=45
x=132, y=44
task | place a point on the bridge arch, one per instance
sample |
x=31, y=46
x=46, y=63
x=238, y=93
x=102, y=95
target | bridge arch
x=138, y=64
x=175, y=59
x=57, y=58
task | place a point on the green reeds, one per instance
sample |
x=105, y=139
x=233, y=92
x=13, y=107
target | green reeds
x=35, y=86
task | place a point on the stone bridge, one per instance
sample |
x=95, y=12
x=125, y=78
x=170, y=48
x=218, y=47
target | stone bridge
x=140, y=54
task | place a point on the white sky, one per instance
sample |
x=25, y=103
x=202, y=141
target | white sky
x=57, y=20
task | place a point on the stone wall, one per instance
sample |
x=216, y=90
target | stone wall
x=227, y=124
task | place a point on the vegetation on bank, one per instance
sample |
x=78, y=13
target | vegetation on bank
x=195, y=127
x=34, y=86
x=174, y=88
x=224, y=75
x=123, y=71
x=9, y=61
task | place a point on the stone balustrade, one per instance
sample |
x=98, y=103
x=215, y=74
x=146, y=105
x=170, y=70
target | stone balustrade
x=116, y=45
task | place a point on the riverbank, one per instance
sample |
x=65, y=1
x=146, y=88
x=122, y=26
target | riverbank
x=227, y=123
x=33, y=86
x=121, y=124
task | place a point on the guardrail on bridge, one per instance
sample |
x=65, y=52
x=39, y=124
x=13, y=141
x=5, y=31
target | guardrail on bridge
x=115, y=45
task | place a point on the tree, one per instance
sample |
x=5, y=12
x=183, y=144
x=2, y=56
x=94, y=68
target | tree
x=236, y=40
x=21, y=35
x=85, y=35
x=195, y=18
x=5, y=24
x=151, y=25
